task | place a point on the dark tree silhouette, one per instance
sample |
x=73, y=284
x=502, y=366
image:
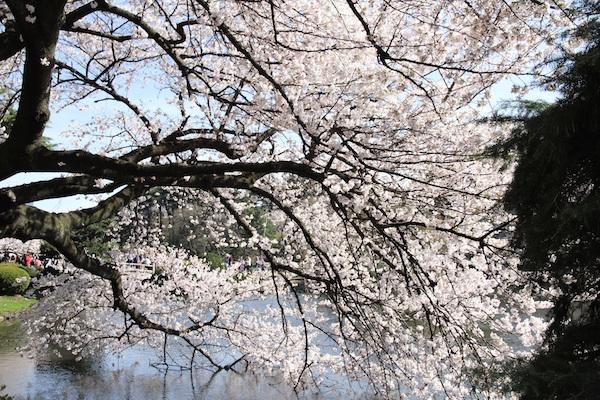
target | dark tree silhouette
x=556, y=196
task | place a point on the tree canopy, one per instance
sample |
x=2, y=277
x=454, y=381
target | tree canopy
x=355, y=121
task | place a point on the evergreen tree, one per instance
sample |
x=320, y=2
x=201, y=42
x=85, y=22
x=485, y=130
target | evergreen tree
x=556, y=196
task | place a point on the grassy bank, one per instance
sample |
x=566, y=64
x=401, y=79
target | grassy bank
x=13, y=304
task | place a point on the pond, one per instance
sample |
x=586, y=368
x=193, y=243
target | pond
x=131, y=375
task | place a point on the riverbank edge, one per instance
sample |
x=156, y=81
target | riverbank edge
x=22, y=304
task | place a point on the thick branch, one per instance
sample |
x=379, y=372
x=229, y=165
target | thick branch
x=79, y=161
x=50, y=189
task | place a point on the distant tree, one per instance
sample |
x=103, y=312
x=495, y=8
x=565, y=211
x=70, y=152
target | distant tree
x=96, y=238
x=195, y=226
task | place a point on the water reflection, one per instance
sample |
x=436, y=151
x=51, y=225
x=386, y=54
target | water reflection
x=128, y=375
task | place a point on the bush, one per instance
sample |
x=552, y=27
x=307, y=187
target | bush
x=214, y=260
x=13, y=279
x=31, y=271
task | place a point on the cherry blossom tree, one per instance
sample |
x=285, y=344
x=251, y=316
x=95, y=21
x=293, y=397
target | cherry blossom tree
x=356, y=121
x=17, y=246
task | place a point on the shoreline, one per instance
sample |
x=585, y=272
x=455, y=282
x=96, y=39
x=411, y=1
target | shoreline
x=12, y=306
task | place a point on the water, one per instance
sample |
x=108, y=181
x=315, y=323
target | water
x=128, y=375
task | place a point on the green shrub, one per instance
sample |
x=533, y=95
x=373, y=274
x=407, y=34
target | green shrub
x=13, y=279
x=214, y=260
x=31, y=271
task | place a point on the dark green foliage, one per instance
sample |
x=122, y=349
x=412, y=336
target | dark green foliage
x=215, y=260
x=31, y=270
x=13, y=279
x=6, y=120
x=568, y=369
x=200, y=238
x=261, y=222
x=182, y=227
x=556, y=196
x=95, y=238
x=555, y=189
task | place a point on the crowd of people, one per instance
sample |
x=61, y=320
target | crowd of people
x=44, y=262
x=243, y=264
x=138, y=259
x=38, y=262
